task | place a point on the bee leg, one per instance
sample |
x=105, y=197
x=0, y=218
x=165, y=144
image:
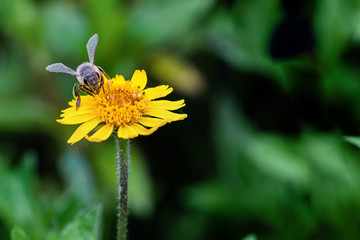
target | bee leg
x=102, y=84
x=102, y=79
x=77, y=95
x=86, y=89
x=102, y=70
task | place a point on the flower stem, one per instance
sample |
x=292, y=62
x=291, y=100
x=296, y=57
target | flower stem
x=123, y=160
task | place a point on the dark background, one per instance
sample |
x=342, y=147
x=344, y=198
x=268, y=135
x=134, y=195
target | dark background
x=272, y=91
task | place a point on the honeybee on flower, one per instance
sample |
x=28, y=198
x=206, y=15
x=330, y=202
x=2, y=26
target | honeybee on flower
x=119, y=106
x=90, y=76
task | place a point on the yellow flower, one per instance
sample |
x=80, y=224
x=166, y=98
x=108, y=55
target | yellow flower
x=122, y=107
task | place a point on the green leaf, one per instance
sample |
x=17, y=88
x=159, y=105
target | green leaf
x=335, y=23
x=212, y=197
x=18, y=190
x=18, y=234
x=250, y=237
x=170, y=19
x=241, y=36
x=85, y=226
x=77, y=175
x=353, y=140
x=279, y=158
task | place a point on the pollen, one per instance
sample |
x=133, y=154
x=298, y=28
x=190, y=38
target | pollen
x=121, y=105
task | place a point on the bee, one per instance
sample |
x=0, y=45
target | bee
x=90, y=76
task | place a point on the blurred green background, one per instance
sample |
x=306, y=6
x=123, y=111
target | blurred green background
x=272, y=87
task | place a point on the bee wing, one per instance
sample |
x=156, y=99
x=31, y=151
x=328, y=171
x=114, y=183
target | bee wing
x=61, y=68
x=91, y=47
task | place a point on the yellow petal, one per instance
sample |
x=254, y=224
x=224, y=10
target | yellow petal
x=158, y=92
x=72, y=103
x=142, y=130
x=167, y=105
x=73, y=116
x=139, y=79
x=83, y=130
x=165, y=114
x=85, y=101
x=118, y=81
x=152, y=122
x=77, y=118
x=71, y=111
x=101, y=134
x=67, y=110
x=126, y=132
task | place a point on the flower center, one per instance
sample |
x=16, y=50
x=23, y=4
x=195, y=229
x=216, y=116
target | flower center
x=120, y=105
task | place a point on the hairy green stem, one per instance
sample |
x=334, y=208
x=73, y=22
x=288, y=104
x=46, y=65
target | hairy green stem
x=123, y=161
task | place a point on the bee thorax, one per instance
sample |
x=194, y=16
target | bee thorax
x=88, y=74
x=92, y=80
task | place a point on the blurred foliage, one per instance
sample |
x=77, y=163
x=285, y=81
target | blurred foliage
x=270, y=149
